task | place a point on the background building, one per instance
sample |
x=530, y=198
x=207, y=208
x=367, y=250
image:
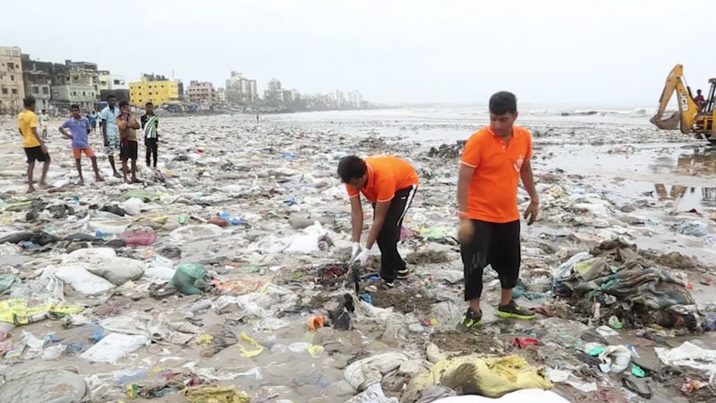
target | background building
x=274, y=91
x=112, y=84
x=37, y=79
x=75, y=83
x=241, y=90
x=12, y=89
x=201, y=92
x=153, y=88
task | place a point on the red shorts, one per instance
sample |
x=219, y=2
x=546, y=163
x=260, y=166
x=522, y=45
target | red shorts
x=77, y=152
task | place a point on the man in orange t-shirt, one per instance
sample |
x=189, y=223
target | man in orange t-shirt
x=389, y=183
x=494, y=160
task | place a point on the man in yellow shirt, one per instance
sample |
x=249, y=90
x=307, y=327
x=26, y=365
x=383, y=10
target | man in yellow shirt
x=34, y=146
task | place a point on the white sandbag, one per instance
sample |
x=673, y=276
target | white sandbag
x=118, y=270
x=90, y=256
x=114, y=346
x=520, y=396
x=82, y=280
x=132, y=206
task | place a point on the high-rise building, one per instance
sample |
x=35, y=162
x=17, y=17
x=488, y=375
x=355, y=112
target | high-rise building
x=153, y=88
x=240, y=90
x=274, y=91
x=37, y=79
x=201, y=92
x=75, y=83
x=12, y=89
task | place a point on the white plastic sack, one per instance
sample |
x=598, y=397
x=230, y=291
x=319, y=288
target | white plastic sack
x=305, y=242
x=112, y=227
x=82, y=280
x=118, y=270
x=520, y=396
x=565, y=269
x=689, y=355
x=133, y=206
x=363, y=373
x=91, y=256
x=114, y=346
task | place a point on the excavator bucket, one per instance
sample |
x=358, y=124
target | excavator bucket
x=670, y=123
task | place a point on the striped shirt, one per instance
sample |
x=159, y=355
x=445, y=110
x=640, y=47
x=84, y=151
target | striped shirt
x=150, y=124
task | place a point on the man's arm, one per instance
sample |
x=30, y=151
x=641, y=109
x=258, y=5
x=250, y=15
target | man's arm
x=133, y=122
x=61, y=129
x=39, y=140
x=528, y=181
x=381, y=211
x=463, y=182
x=356, y=218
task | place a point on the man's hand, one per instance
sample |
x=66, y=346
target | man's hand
x=355, y=250
x=44, y=148
x=532, y=212
x=465, y=231
x=362, y=257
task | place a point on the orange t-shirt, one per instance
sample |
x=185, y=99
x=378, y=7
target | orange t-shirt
x=492, y=192
x=386, y=175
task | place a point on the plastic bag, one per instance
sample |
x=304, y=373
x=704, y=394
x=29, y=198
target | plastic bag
x=114, y=346
x=191, y=278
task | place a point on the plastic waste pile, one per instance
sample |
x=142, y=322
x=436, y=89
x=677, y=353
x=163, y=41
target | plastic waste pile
x=225, y=277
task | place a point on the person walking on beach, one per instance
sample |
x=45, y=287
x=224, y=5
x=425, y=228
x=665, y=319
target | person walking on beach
x=80, y=128
x=127, y=125
x=110, y=132
x=35, y=148
x=389, y=183
x=494, y=159
x=92, y=117
x=44, y=121
x=150, y=123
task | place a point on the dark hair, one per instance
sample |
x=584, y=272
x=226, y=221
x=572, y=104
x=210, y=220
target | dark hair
x=148, y=103
x=122, y=104
x=28, y=101
x=110, y=97
x=351, y=167
x=503, y=102
x=74, y=106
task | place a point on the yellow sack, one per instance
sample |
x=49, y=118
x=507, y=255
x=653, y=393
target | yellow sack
x=484, y=376
x=215, y=394
x=16, y=311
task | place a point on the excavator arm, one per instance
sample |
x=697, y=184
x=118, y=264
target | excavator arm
x=684, y=118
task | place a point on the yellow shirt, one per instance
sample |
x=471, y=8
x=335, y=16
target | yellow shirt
x=26, y=120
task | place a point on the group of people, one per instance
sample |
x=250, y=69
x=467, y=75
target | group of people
x=119, y=133
x=495, y=158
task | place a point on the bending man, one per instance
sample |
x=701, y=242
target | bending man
x=389, y=183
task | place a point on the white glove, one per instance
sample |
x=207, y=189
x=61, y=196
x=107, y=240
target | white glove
x=355, y=250
x=362, y=257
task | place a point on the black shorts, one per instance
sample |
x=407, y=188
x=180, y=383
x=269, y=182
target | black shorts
x=128, y=150
x=497, y=245
x=36, y=154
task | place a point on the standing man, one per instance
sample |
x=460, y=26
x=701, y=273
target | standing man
x=35, y=148
x=494, y=160
x=44, y=121
x=110, y=132
x=128, y=125
x=699, y=100
x=80, y=128
x=389, y=183
x=92, y=117
x=150, y=123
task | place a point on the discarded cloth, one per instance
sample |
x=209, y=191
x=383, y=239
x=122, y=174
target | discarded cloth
x=157, y=328
x=191, y=278
x=520, y=396
x=372, y=394
x=368, y=371
x=689, y=355
x=485, y=376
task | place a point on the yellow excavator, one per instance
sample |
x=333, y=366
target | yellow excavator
x=692, y=117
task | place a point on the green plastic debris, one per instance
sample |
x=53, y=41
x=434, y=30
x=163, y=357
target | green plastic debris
x=7, y=281
x=191, y=278
x=182, y=219
x=637, y=371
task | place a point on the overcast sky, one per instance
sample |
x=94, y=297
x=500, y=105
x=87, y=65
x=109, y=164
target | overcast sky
x=586, y=53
